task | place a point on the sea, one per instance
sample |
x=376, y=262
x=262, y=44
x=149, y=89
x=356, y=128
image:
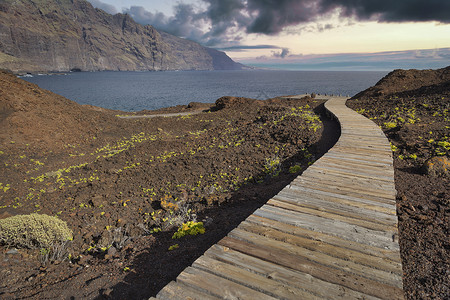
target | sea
x=135, y=91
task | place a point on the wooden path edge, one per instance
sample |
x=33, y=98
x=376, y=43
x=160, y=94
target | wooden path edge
x=330, y=234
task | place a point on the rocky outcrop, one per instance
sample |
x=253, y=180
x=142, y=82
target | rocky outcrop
x=64, y=35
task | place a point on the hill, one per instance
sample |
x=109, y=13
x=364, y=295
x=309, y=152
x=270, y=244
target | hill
x=409, y=81
x=31, y=115
x=65, y=35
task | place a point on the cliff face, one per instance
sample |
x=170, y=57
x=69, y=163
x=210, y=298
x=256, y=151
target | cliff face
x=64, y=35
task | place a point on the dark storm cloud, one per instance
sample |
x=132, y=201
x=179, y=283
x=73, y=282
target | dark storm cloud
x=393, y=10
x=273, y=16
x=104, y=6
x=223, y=22
x=185, y=22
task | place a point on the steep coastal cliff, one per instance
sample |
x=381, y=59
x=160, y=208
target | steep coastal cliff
x=64, y=35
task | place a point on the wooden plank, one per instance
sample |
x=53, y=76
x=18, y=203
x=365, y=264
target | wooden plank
x=355, y=173
x=359, y=156
x=392, y=255
x=342, y=188
x=376, y=189
x=372, y=141
x=281, y=242
x=386, y=157
x=369, y=132
x=179, y=291
x=359, y=144
x=365, y=151
x=346, y=179
x=356, y=129
x=378, y=138
x=336, y=276
x=342, y=198
x=386, y=201
x=386, y=171
x=345, y=254
x=361, y=163
x=331, y=156
x=332, y=216
x=377, y=165
x=261, y=283
x=340, y=229
x=357, y=198
x=339, y=209
x=285, y=275
x=336, y=169
x=305, y=197
x=218, y=286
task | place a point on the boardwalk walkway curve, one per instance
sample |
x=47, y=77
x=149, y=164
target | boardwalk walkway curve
x=330, y=234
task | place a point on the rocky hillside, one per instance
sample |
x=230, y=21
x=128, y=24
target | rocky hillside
x=64, y=35
x=32, y=116
x=409, y=81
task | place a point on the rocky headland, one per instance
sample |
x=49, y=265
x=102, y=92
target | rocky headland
x=71, y=35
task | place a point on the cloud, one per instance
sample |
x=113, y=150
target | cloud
x=393, y=11
x=238, y=48
x=110, y=9
x=420, y=59
x=442, y=53
x=186, y=22
x=284, y=52
x=224, y=22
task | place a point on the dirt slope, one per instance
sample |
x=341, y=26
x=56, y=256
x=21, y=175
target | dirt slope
x=37, y=117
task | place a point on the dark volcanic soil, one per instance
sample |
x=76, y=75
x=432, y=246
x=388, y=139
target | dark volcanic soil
x=413, y=109
x=124, y=186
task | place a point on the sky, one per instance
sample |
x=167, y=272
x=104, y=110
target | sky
x=306, y=34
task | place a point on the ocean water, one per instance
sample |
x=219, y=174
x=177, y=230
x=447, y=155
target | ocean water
x=134, y=91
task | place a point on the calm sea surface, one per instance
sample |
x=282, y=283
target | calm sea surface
x=134, y=91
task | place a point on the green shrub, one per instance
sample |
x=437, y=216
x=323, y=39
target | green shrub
x=33, y=231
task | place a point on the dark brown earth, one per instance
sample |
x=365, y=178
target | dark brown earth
x=413, y=109
x=125, y=185
x=213, y=163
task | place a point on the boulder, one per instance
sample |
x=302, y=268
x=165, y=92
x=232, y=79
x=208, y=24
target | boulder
x=437, y=166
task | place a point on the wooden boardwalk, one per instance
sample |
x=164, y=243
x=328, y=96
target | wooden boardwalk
x=330, y=234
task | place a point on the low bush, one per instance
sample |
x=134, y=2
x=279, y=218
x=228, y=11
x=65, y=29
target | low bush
x=33, y=231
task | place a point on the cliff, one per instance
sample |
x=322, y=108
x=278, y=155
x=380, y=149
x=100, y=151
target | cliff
x=64, y=35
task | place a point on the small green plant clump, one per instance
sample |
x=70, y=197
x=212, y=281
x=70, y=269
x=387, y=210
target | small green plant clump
x=33, y=231
x=189, y=228
x=390, y=125
x=295, y=169
x=173, y=247
x=272, y=166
